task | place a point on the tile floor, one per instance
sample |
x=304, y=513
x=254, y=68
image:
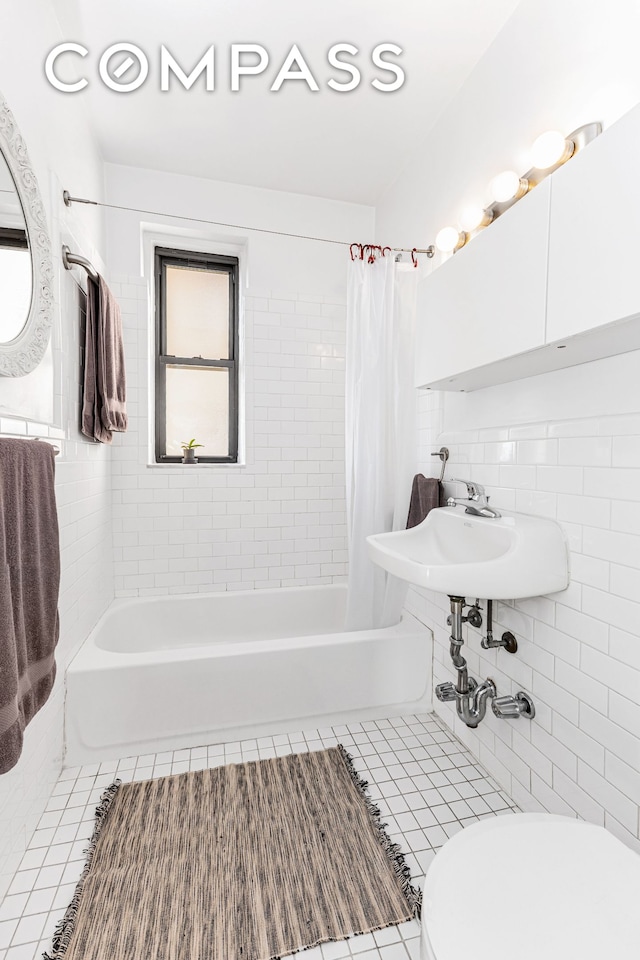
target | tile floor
x=425, y=781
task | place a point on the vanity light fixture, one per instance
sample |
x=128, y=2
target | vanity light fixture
x=508, y=186
x=475, y=217
x=450, y=239
x=551, y=149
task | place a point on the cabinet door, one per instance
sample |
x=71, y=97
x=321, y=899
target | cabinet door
x=487, y=302
x=594, y=241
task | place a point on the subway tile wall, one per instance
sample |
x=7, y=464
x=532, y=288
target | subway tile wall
x=579, y=650
x=83, y=493
x=279, y=519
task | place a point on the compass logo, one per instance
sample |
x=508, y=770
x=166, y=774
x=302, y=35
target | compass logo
x=124, y=68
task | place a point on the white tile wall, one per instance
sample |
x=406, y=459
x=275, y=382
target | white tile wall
x=278, y=520
x=579, y=650
x=83, y=493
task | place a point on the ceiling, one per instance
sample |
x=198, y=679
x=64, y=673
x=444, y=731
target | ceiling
x=345, y=146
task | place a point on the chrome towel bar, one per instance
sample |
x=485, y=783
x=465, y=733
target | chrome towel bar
x=443, y=453
x=70, y=260
x=56, y=450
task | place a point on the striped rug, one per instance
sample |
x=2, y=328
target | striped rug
x=251, y=861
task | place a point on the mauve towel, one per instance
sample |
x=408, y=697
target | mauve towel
x=426, y=493
x=104, y=397
x=29, y=583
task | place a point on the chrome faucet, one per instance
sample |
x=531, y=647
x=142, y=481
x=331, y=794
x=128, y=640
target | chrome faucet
x=476, y=503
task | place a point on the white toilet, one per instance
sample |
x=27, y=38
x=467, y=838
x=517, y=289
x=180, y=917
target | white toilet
x=532, y=886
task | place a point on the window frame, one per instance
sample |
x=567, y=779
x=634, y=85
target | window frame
x=219, y=263
x=13, y=237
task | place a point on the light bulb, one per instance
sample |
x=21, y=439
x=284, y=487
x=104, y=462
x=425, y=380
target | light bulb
x=550, y=150
x=508, y=186
x=450, y=239
x=474, y=217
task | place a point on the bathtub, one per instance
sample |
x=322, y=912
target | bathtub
x=162, y=673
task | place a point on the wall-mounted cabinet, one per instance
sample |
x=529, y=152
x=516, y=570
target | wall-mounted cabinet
x=594, y=239
x=487, y=302
x=552, y=283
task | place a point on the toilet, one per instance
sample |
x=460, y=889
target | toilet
x=532, y=886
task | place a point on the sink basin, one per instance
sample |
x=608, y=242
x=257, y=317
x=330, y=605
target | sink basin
x=453, y=552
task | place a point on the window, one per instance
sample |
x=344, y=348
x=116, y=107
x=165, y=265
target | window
x=12, y=237
x=196, y=355
x=15, y=282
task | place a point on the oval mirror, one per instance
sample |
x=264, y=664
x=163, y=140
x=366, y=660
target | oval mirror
x=16, y=275
x=26, y=305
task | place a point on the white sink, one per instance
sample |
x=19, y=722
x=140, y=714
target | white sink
x=453, y=552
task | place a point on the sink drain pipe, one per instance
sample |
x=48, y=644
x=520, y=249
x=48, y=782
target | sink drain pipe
x=470, y=696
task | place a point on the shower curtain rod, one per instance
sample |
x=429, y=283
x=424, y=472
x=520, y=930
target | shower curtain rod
x=68, y=199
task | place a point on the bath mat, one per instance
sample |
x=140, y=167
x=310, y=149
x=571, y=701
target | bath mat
x=250, y=861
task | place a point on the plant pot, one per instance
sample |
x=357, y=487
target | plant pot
x=189, y=455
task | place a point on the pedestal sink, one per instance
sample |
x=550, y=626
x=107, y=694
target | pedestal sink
x=504, y=558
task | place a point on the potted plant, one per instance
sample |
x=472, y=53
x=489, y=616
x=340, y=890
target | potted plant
x=189, y=451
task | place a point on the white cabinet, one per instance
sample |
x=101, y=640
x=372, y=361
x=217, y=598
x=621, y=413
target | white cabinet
x=487, y=302
x=554, y=282
x=594, y=240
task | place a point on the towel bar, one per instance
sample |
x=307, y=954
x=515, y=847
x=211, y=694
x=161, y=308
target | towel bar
x=56, y=450
x=443, y=453
x=21, y=436
x=70, y=259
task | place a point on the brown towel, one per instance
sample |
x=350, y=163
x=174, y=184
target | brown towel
x=29, y=582
x=426, y=493
x=104, y=397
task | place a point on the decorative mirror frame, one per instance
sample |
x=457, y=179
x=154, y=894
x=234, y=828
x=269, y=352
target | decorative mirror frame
x=23, y=354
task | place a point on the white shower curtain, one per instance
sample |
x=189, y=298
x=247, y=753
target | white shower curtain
x=380, y=427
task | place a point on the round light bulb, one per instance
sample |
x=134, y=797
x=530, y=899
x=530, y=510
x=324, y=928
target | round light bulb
x=449, y=239
x=508, y=186
x=550, y=149
x=474, y=217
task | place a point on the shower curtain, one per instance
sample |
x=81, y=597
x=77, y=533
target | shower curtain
x=380, y=427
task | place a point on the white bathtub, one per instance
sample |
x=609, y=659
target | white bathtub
x=162, y=673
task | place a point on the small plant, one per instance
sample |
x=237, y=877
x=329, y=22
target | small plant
x=189, y=451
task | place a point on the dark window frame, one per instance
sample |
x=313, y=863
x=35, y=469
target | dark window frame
x=163, y=257
x=14, y=237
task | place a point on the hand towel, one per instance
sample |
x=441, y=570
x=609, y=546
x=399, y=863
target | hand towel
x=426, y=493
x=104, y=397
x=29, y=584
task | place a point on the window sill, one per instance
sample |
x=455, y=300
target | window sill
x=189, y=467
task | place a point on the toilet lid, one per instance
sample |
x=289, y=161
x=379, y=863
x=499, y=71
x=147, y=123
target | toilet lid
x=535, y=887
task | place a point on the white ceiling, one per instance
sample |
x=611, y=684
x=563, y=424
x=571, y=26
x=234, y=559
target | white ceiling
x=346, y=146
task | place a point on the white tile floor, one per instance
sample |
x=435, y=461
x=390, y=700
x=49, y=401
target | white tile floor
x=422, y=777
